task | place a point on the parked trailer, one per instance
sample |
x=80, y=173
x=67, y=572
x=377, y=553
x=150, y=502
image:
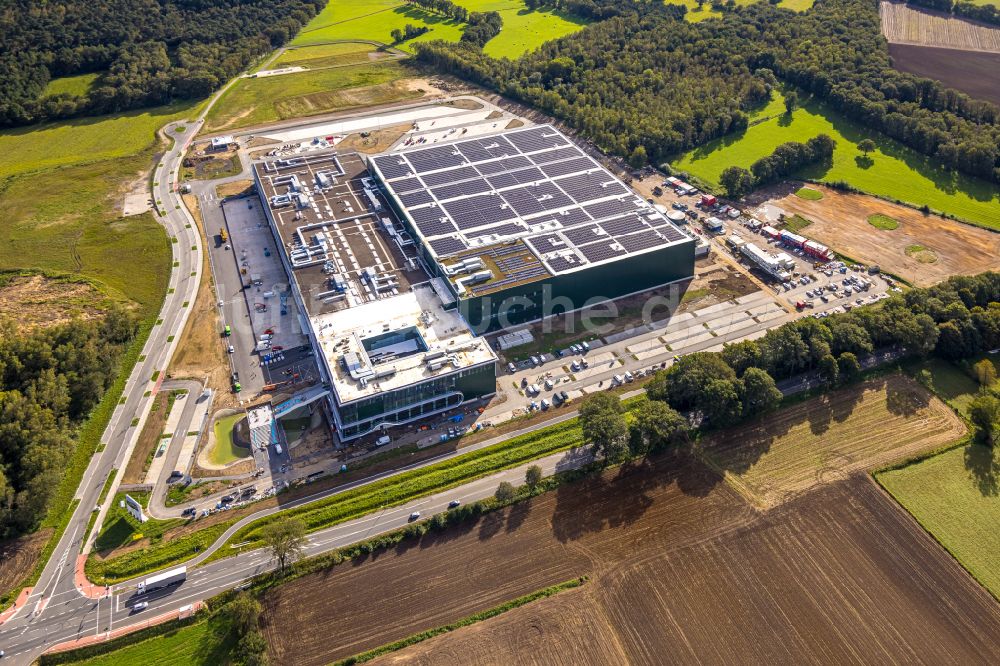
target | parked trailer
x=771, y=232
x=794, y=240
x=165, y=579
x=817, y=250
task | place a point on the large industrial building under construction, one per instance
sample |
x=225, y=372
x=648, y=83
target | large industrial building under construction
x=402, y=260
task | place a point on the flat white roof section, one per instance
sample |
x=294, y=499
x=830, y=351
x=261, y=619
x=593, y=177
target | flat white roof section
x=431, y=342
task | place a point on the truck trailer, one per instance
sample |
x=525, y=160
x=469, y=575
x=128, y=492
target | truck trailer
x=165, y=579
x=792, y=240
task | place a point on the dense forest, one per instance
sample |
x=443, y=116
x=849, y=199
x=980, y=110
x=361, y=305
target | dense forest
x=147, y=52
x=50, y=380
x=646, y=83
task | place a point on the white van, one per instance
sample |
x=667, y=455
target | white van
x=383, y=440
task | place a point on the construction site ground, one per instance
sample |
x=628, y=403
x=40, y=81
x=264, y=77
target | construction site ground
x=840, y=221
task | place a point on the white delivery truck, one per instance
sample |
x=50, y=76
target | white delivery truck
x=165, y=579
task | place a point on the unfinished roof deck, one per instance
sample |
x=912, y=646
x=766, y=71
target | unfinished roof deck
x=342, y=242
x=518, y=207
x=396, y=342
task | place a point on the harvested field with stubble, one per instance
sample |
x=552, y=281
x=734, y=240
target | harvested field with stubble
x=840, y=220
x=902, y=24
x=842, y=575
x=826, y=438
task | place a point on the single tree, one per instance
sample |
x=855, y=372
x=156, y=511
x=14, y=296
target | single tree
x=986, y=372
x=849, y=367
x=250, y=650
x=721, y=405
x=866, y=146
x=533, y=476
x=397, y=35
x=243, y=612
x=760, y=394
x=791, y=101
x=505, y=492
x=638, y=157
x=984, y=412
x=656, y=425
x=286, y=539
x=828, y=369
x=737, y=181
x=604, y=427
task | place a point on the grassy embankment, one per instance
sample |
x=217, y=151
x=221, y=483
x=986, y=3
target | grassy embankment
x=955, y=495
x=60, y=191
x=892, y=171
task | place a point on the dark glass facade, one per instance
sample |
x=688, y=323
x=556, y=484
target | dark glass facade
x=416, y=401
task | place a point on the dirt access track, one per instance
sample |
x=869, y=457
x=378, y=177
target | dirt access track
x=840, y=220
x=682, y=569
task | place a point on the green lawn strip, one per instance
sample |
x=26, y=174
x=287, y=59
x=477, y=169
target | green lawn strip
x=418, y=483
x=954, y=496
x=89, y=438
x=202, y=639
x=893, y=171
x=77, y=86
x=796, y=223
x=808, y=194
x=948, y=382
x=884, y=222
x=464, y=622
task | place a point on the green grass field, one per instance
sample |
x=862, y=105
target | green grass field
x=204, y=643
x=893, y=171
x=85, y=140
x=73, y=85
x=950, y=383
x=120, y=527
x=956, y=497
x=225, y=451
x=523, y=30
x=808, y=194
x=325, y=55
x=255, y=101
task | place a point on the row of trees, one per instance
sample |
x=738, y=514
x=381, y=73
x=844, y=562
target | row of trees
x=445, y=8
x=645, y=79
x=146, y=51
x=50, y=380
x=483, y=26
x=408, y=32
x=957, y=319
x=787, y=159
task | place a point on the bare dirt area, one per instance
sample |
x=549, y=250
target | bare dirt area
x=682, y=570
x=828, y=437
x=840, y=220
x=975, y=73
x=18, y=556
x=903, y=24
x=200, y=354
x=35, y=301
x=377, y=141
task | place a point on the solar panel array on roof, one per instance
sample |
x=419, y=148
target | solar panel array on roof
x=527, y=183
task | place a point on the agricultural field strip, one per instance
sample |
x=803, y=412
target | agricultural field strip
x=831, y=435
x=904, y=25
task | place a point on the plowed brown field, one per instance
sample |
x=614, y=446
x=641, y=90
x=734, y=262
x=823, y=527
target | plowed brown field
x=841, y=221
x=838, y=576
x=682, y=568
x=975, y=73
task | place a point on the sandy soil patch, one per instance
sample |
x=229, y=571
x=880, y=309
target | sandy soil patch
x=35, y=301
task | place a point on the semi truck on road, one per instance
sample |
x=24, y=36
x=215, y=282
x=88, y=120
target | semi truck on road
x=165, y=579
